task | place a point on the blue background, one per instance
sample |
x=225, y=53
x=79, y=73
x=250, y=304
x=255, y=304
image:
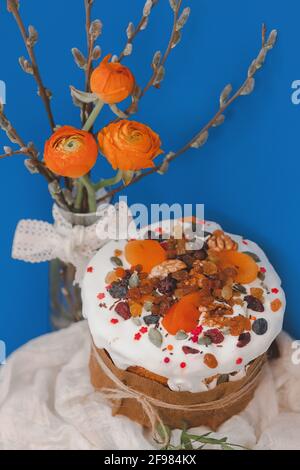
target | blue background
x=247, y=174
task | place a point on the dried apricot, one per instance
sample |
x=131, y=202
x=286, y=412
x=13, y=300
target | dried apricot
x=147, y=253
x=120, y=272
x=184, y=315
x=246, y=267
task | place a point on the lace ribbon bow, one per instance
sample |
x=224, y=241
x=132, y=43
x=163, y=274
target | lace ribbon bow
x=36, y=241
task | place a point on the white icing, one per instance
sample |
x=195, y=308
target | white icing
x=118, y=339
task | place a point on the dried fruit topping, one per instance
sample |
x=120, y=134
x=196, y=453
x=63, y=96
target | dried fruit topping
x=167, y=286
x=243, y=340
x=246, y=267
x=155, y=337
x=258, y=293
x=122, y=309
x=260, y=326
x=226, y=292
x=136, y=309
x=254, y=303
x=147, y=253
x=219, y=242
x=111, y=277
x=120, y=273
x=215, y=335
x=209, y=268
x=276, y=305
x=167, y=267
x=222, y=379
x=183, y=315
x=118, y=289
x=210, y=361
x=200, y=254
x=188, y=350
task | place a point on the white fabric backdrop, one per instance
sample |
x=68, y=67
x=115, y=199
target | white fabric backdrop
x=47, y=402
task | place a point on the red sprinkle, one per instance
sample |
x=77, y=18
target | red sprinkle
x=114, y=321
x=263, y=270
x=166, y=360
x=144, y=329
x=182, y=365
x=108, y=287
x=239, y=361
x=194, y=339
x=275, y=290
x=245, y=243
x=137, y=336
x=159, y=230
x=100, y=296
x=90, y=269
x=197, y=330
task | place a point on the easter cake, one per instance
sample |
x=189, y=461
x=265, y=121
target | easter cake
x=188, y=325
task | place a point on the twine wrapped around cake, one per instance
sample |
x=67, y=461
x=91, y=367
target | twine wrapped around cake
x=140, y=398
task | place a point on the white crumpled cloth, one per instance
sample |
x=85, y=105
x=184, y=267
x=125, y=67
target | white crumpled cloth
x=47, y=402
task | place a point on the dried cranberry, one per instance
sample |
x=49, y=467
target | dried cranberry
x=122, y=309
x=243, y=340
x=188, y=350
x=215, y=335
x=167, y=286
x=254, y=304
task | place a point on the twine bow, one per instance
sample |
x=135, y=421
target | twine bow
x=150, y=404
x=37, y=241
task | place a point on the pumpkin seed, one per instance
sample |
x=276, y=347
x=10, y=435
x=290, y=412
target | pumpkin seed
x=136, y=321
x=253, y=256
x=223, y=379
x=148, y=305
x=134, y=280
x=180, y=335
x=155, y=337
x=239, y=288
x=116, y=261
x=205, y=341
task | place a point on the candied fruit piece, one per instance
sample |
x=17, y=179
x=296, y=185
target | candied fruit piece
x=136, y=309
x=210, y=361
x=120, y=272
x=246, y=267
x=276, y=305
x=147, y=253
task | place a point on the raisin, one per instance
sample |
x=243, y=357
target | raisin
x=254, y=304
x=215, y=335
x=167, y=285
x=200, y=254
x=260, y=326
x=188, y=350
x=122, y=309
x=210, y=361
x=243, y=340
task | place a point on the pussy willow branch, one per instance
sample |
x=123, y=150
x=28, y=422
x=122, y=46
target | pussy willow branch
x=137, y=30
x=31, y=152
x=256, y=64
x=88, y=4
x=133, y=107
x=13, y=8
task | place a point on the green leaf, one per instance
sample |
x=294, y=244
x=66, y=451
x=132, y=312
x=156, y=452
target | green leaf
x=186, y=441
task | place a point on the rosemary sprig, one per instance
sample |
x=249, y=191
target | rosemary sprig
x=199, y=442
x=226, y=99
x=30, y=39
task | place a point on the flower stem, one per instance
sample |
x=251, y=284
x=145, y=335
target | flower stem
x=79, y=195
x=85, y=181
x=109, y=181
x=93, y=116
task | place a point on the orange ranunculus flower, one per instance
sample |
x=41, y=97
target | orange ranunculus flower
x=70, y=152
x=112, y=82
x=129, y=145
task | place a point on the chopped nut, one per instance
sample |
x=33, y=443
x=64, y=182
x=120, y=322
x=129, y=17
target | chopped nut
x=167, y=267
x=220, y=242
